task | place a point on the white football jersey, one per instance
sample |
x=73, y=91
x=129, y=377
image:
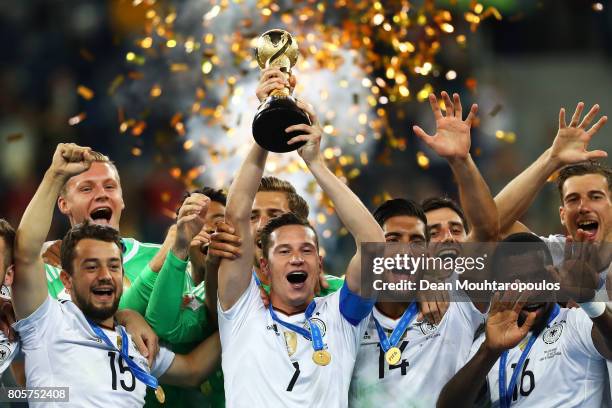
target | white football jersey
x=556, y=244
x=62, y=350
x=563, y=368
x=265, y=364
x=431, y=355
x=8, y=351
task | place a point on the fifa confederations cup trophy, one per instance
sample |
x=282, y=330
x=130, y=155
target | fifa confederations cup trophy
x=277, y=48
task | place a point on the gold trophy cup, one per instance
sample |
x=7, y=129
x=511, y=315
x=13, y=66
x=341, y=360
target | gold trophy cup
x=277, y=48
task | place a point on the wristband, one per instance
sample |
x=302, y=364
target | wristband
x=593, y=309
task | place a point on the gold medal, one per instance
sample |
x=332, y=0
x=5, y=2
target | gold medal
x=321, y=357
x=159, y=394
x=393, y=355
x=119, y=342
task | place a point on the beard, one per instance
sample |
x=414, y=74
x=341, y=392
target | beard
x=96, y=312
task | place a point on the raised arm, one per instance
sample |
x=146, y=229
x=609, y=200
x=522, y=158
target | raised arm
x=223, y=244
x=165, y=310
x=189, y=370
x=502, y=333
x=353, y=214
x=235, y=274
x=29, y=286
x=452, y=141
x=578, y=278
x=570, y=146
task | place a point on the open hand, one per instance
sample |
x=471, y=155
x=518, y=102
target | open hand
x=452, y=138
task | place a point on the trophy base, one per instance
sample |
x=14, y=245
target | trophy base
x=274, y=115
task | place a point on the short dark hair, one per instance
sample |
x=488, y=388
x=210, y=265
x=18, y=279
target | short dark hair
x=435, y=203
x=581, y=169
x=218, y=196
x=280, y=221
x=536, y=244
x=297, y=204
x=86, y=230
x=397, y=207
x=7, y=233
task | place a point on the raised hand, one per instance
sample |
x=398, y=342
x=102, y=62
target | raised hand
x=189, y=223
x=570, y=144
x=70, y=159
x=224, y=244
x=502, y=329
x=198, y=247
x=452, y=138
x=312, y=135
x=273, y=79
x=578, y=274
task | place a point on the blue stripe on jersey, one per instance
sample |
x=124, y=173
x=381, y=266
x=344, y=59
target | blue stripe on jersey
x=353, y=307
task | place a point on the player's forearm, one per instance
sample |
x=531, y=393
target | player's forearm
x=514, y=199
x=476, y=200
x=137, y=296
x=211, y=284
x=353, y=214
x=243, y=189
x=158, y=260
x=29, y=285
x=164, y=307
x=462, y=390
x=602, y=333
x=36, y=220
x=190, y=369
x=205, y=357
x=235, y=274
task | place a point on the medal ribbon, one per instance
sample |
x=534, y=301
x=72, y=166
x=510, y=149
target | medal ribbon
x=505, y=395
x=315, y=333
x=138, y=372
x=396, y=334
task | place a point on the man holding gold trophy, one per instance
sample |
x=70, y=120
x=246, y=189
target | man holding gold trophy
x=277, y=49
x=298, y=351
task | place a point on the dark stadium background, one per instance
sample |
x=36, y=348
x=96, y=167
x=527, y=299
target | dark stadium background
x=542, y=55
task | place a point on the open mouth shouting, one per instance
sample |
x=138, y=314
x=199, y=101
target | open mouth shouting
x=101, y=215
x=590, y=227
x=532, y=307
x=103, y=293
x=447, y=251
x=297, y=279
x=536, y=307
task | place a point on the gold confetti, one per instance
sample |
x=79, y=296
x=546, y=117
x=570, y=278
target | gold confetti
x=75, y=120
x=496, y=109
x=85, y=92
x=115, y=84
x=179, y=67
x=86, y=55
x=13, y=137
x=422, y=160
x=139, y=128
x=146, y=42
x=156, y=91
